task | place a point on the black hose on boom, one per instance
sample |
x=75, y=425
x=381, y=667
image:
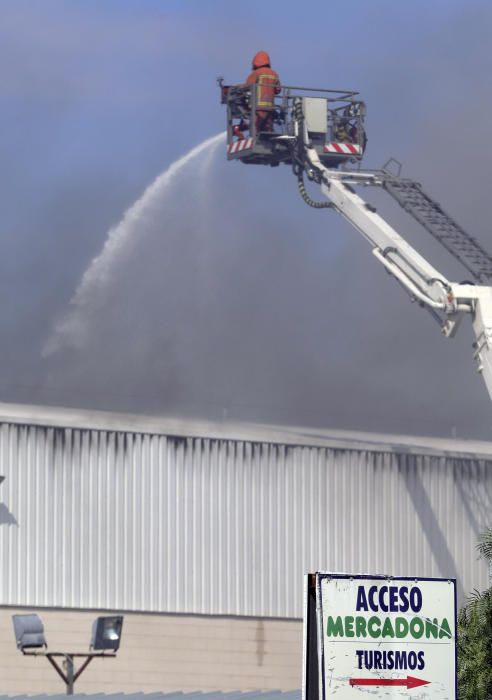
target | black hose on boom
x=310, y=202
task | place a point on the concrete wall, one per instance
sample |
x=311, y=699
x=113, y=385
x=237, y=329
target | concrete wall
x=160, y=652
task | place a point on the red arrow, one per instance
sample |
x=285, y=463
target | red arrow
x=409, y=681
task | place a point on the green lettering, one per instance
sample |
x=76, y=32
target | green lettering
x=445, y=630
x=349, y=626
x=372, y=623
x=417, y=627
x=334, y=628
x=401, y=627
x=387, y=628
x=360, y=626
x=431, y=628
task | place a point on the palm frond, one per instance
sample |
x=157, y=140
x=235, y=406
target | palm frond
x=474, y=638
x=484, y=544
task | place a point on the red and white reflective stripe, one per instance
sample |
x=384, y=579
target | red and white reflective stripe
x=351, y=148
x=241, y=145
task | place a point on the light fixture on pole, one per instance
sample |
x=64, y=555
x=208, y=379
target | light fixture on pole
x=29, y=632
x=105, y=642
x=106, y=633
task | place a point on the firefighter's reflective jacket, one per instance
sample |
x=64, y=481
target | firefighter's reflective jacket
x=266, y=80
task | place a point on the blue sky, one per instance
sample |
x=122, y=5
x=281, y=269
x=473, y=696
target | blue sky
x=99, y=96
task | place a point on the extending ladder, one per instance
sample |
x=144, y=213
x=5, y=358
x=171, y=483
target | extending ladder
x=466, y=249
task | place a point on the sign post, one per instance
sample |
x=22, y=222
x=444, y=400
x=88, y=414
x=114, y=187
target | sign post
x=381, y=635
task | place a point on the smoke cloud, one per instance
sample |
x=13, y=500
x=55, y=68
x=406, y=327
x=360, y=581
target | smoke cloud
x=234, y=300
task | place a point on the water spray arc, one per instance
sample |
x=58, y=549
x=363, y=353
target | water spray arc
x=71, y=331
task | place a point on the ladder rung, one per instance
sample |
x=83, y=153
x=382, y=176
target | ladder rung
x=410, y=195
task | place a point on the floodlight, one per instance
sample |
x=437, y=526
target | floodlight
x=29, y=631
x=106, y=633
x=106, y=636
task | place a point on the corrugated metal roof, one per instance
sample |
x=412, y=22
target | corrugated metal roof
x=285, y=435
x=197, y=695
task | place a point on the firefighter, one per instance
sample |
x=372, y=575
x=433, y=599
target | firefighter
x=267, y=86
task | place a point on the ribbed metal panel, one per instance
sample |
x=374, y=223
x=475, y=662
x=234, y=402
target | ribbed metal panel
x=134, y=521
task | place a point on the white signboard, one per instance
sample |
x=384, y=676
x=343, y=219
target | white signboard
x=392, y=637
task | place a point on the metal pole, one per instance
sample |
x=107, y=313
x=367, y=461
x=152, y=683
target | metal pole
x=70, y=673
x=66, y=670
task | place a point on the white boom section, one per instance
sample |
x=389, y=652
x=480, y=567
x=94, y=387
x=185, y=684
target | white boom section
x=422, y=281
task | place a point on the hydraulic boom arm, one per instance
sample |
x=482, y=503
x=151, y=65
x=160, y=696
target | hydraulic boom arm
x=447, y=301
x=316, y=132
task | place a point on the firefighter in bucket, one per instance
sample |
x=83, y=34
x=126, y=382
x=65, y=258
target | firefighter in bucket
x=267, y=85
x=266, y=82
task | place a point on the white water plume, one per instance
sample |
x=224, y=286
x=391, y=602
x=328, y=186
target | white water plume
x=72, y=330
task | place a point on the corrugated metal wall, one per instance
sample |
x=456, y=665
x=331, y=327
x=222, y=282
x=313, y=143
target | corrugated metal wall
x=100, y=519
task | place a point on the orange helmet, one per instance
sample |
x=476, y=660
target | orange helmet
x=261, y=60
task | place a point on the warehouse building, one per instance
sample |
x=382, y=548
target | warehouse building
x=200, y=535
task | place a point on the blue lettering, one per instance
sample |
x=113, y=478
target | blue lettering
x=415, y=599
x=393, y=604
x=400, y=660
x=361, y=600
x=389, y=599
x=404, y=599
x=372, y=592
x=390, y=660
x=368, y=659
x=382, y=604
x=412, y=661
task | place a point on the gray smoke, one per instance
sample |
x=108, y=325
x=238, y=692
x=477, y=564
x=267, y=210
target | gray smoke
x=238, y=301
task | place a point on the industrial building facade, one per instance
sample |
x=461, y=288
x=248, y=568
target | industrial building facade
x=200, y=534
